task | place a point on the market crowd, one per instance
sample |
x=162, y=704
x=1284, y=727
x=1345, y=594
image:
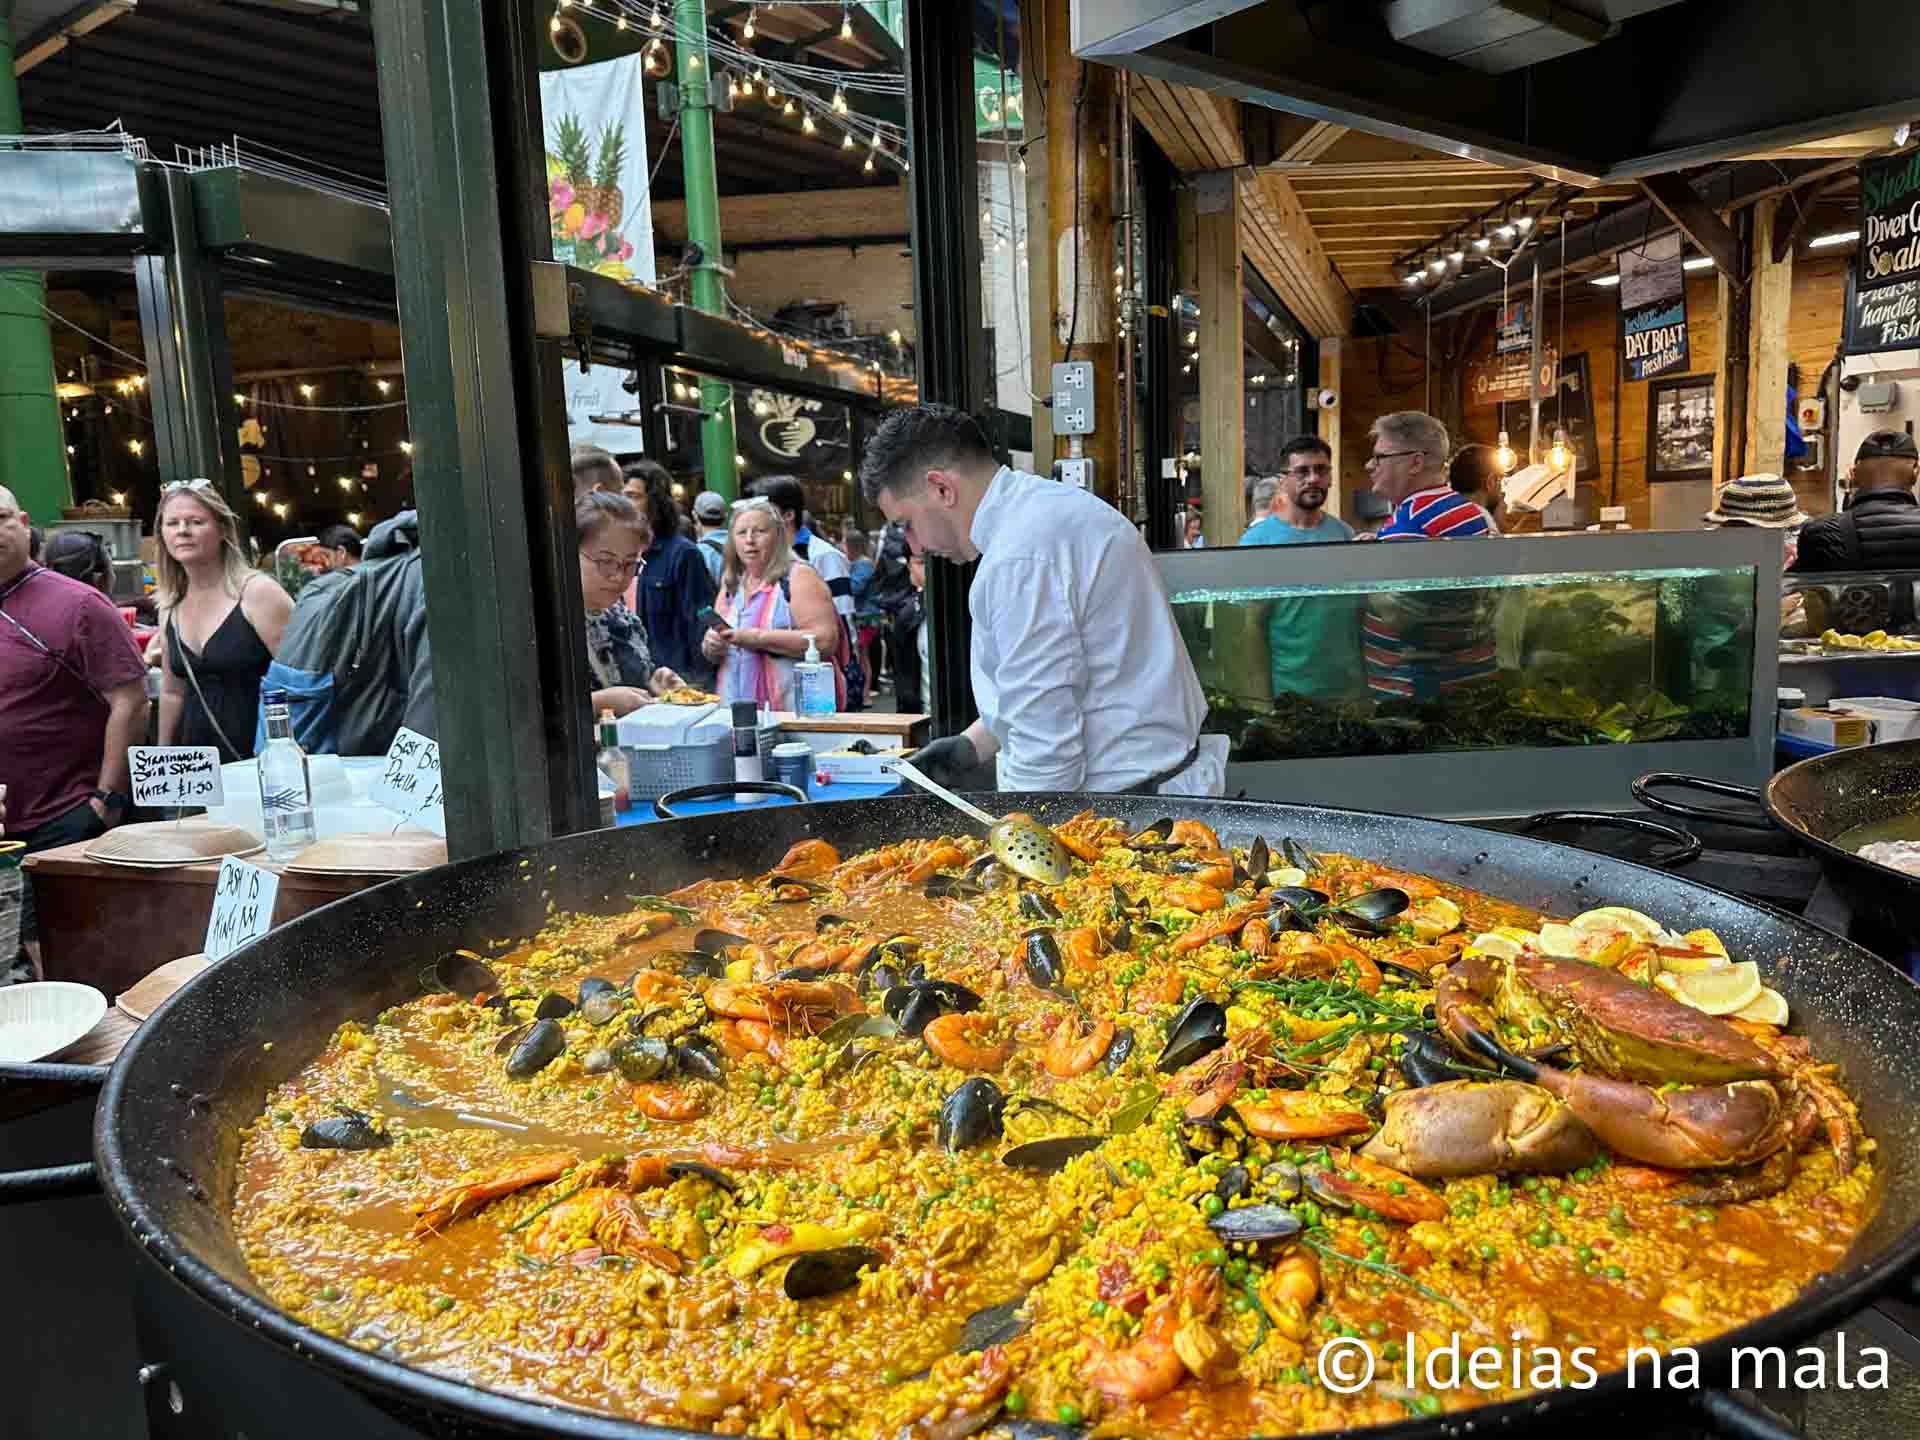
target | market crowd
x=1080, y=671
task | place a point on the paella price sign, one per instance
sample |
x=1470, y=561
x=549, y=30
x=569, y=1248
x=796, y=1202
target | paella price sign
x=409, y=783
x=176, y=775
x=243, y=899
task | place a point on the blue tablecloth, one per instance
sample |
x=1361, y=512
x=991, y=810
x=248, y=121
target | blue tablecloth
x=840, y=790
x=1791, y=748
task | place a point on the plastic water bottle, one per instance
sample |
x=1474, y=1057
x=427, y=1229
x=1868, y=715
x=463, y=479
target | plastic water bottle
x=813, y=683
x=286, y=793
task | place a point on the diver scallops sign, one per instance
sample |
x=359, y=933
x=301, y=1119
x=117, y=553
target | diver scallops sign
x=1653, y=309
x=1883, y=312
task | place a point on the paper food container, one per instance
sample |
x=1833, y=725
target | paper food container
x=868, y=769
x=46, y=1016
x=1892, y=719
x=664, y=724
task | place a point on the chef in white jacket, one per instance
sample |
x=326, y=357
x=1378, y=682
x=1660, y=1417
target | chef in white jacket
x=1078, y=668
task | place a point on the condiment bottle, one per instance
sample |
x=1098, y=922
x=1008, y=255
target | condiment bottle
x=746, y=747
x=612, y=761
x=286, y=791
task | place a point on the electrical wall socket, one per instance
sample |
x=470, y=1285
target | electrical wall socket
x=1074, y=472
x=1073, y=398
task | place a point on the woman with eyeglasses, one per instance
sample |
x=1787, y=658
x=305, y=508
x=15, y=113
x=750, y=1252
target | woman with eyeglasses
x=613, y=535
x=773, y=605
x=221, y=618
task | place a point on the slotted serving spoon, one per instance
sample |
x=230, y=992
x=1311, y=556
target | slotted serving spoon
x=1023, y=845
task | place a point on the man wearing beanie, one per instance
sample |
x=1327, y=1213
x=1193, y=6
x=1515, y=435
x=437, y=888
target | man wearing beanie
x=1880, y=527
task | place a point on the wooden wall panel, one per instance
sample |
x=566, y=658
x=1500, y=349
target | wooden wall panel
x=1379, y=376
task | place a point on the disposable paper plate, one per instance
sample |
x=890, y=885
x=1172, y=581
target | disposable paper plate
x=45, y=1016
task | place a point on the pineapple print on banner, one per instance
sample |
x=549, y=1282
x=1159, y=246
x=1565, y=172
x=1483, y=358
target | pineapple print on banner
x=597, y=203
x=596, y=168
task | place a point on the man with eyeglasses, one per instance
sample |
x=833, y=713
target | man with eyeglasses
x=1408, y=470
x=1313, y=643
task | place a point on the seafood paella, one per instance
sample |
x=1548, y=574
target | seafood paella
x=909, y=1143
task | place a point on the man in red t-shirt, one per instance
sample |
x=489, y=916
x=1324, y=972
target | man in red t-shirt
x=73, y=691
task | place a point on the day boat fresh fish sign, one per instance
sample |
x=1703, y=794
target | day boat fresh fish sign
x=1653, y=309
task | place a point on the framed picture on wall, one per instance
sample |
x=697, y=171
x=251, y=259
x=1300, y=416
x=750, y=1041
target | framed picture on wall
x=1680, y=428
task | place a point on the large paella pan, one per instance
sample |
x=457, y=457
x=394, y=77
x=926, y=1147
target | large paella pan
x=878, y=1138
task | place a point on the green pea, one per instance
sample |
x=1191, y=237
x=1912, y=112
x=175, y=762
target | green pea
x=1068, y=1414
x=1378, y=1255
x=350, y=1191
x=1489, y=1252
x=1159, y=1273
x=1214, y=1255
x=1242, y=1304
x=1392, y=1350
x=1098, y=1307
x=1617, y=1214
x=1368, y=1237
x=1530, y=1184
x=1015, y=1403
x=329, y=1292
x=1290, y=1375
x=442, y=1304
x=1567, y=1204
x=804, y=1328
x=1087, y=1227
x=1653, y=1332
x=1538, y=1241
x=1614, y=1272
x=1236, y=1271
x=283, y=1116
x=1308, y=1212
x=1583, y=1253
x=1377, y=1328
x=1329, y=1324
x=1703, y=1217
x=1397, y=1187
x=1427, y=1404
x=1583, y=1174
x=889, y=1375
x=1211, y=1205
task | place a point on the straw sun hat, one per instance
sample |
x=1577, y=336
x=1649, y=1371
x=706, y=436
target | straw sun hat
x=1764, y=500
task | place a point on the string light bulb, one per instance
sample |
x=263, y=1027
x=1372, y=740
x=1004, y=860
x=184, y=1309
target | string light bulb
x=1504, y=455
x=353, y=516
x=281, y=510
x=807, y=127
x=1558, y=455
x=693, y=62
x=789, y=109
x=119, y=497
x=306, y=392
x=383, y=386
x=238, y=398
x=839, y=101
x=846, y=22
x=1523, y=223
x=138, y=447
x=846, y=141
x=733, y=87
x=407, y=446
x=346, y=482
x=746, y=30
x=868, y=166
x=261, y=497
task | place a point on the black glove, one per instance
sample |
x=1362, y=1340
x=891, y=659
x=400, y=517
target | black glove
x=951, y=762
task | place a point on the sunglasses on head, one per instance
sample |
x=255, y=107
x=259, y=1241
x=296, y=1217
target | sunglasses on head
x=198, y=484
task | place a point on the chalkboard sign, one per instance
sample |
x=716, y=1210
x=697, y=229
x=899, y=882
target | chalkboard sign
x=243, y=899
x=176, y=775
x=1883, y=285
x=1653, y=309
x=1884, y=318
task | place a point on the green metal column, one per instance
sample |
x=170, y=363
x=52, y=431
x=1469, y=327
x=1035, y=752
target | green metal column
x=33, y=451
x=703, y=229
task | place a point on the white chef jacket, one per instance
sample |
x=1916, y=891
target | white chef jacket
x=1078, y=668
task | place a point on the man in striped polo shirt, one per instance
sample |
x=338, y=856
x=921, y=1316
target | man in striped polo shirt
x=1424, y=644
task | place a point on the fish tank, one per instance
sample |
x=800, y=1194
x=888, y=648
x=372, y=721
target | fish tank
x=1487, y=677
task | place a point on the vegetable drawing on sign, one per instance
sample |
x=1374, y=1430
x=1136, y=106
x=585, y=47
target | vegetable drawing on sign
x=409, y=783
x=243, y=899
x=176, y=775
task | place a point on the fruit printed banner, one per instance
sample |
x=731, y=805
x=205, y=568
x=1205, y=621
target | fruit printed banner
x=602, y=218
x=596, y=123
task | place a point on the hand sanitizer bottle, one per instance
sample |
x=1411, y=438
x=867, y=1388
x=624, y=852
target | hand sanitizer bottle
x=813, y=682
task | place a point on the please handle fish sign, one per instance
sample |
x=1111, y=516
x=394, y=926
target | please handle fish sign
x=176, y=775
x=409, y=783
x=243, y=900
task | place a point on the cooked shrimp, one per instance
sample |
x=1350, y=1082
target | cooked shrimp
x=1289, y=1290
x=599, y=1217
x=1376, y=1189
x=808, y=860
x=1192, y=832
x=1219, y=927
x=1254, y=937
x=1162, y=987
x=964, y=1041
x=657, y=987
x=1071, y=1053
x=937, y=858
x=1191, y=895
x=473, y=1192
x=669, y=1102
x=1082, y=946
x=1297, y=1115
x=1150, y=1366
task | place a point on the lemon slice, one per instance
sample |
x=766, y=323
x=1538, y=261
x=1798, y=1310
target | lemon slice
x=1769, y=1009
x=1696, y=962
x=1563, y=942
x=1706, y=940
x=1618, y=917
x=1721, y=992
x=1433, y=917
x=1505, y=943
x=1286, y=875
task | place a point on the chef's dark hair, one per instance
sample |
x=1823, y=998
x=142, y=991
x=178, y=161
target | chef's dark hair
x=1475, y=469
x=1304, y=445
x=341, y=537
x=910, y=442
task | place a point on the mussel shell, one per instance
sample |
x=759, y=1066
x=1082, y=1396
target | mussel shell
x=1120, y=938
x=1047, y=1156
x=1298, y=856
x=1298, y=897
x=1325, y=1193
x=1221, y=1133
x=1372, y=910
x=1035, y=906
x=808, y=889
x=641, y=1058
x=994, y=1325
x=544, y=1043
x=827, y=922
x=602, y=1006
x=595, y=985
x=1281, y=1181
x=1120, y=1049
x=1044, y=964
x=945, y=886
x=1120, y=905
x=883, y=977
x=923, y=1005
x=351, y=1131
x=805, y=972
x=1250, y=1224
x=1259, y=860
x=693, y=1169
x=827, y=1272
x=697, y=963
x=1198, y=1030
x=973, y=1114
x=463, y=973
x=553, y=1006
x=700, y=1057
x=513, y=1037
x=1154, y=835
x=1235, y=1184
x=717, y=942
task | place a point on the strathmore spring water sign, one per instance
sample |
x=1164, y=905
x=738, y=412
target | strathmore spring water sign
x=1883, y=310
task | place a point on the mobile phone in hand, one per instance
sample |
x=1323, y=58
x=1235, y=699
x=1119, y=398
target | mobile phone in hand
x=709, y=619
